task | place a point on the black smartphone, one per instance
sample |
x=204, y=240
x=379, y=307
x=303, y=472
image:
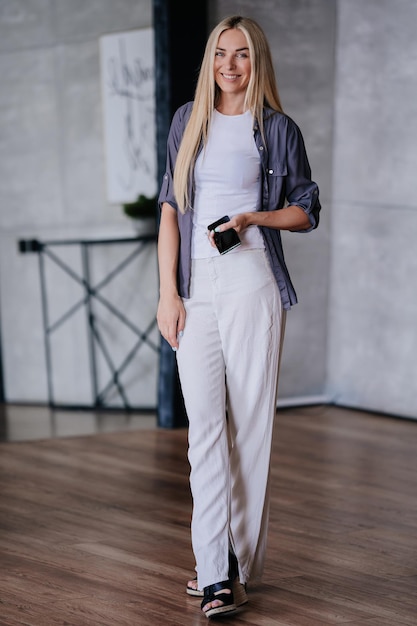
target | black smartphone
x=226, y=241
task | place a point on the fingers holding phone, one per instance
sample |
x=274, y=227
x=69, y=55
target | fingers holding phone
x=225, y=240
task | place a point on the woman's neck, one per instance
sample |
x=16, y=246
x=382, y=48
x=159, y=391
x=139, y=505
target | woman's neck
x=231, y=106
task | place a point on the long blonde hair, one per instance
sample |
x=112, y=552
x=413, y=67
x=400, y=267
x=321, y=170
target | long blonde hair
x=261, y=91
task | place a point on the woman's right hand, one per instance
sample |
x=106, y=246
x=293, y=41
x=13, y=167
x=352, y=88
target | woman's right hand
x=171, y=318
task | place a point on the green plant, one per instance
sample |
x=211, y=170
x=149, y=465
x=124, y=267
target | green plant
x=141, y=207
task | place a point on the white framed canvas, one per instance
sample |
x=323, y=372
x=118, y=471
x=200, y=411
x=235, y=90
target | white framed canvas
x=128, y=97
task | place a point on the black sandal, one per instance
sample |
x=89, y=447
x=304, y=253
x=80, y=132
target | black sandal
x=239, y=589
x=213, y=592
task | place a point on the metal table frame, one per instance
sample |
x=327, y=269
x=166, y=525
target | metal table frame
x=96, y=342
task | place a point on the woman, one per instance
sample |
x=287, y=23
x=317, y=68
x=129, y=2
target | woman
x=231, y=152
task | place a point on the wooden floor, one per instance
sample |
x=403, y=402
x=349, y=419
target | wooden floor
x=94, y=529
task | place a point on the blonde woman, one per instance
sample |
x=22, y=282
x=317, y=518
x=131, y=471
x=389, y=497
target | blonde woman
x=235, y=159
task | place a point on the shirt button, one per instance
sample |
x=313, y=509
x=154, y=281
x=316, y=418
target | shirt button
x=261, y=147
x=270, y=171
x=166, y=176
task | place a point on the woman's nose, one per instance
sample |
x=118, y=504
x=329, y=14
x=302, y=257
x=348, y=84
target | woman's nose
x=230, y=61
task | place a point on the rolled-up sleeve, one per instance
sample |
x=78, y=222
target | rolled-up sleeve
x=300, y=189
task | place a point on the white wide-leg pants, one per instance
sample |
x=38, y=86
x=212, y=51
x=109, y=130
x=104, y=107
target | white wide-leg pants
x=228, y=361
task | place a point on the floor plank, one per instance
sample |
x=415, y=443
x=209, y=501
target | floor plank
x=94, y=529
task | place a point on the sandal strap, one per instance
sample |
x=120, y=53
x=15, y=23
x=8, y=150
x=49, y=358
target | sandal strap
x=225, y=584
x=211, y=593
x=222, y=597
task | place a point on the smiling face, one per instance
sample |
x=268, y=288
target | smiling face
x=232, y=64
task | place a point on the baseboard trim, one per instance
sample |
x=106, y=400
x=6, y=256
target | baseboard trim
x=286, y=403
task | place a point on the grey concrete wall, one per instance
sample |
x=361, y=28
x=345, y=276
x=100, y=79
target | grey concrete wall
x=302, y=39
x=52, y=186
x=373, y=312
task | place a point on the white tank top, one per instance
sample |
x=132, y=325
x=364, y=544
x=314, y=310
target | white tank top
x=227, y=178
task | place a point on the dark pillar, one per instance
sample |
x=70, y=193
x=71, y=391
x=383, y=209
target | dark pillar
x=3, y=414
x=180, y=36
x=2, y=395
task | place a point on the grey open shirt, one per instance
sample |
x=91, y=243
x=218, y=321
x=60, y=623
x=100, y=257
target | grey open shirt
x=285, y=176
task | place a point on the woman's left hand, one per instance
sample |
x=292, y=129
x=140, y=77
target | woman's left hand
x=238, y=222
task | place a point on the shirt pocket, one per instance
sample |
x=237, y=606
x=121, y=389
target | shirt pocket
x=275, y=175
